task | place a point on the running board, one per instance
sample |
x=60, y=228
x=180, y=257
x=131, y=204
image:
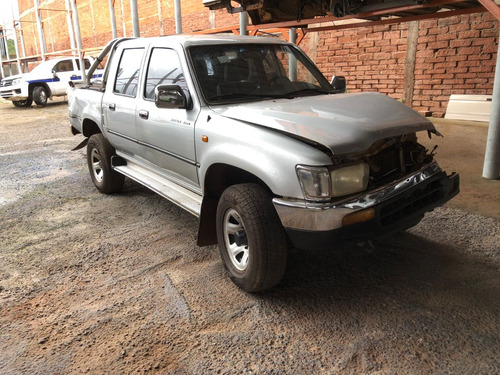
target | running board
x=178, y=195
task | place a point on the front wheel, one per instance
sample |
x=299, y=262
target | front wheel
x=99, y=153
x=40, y=95
x=252, y=241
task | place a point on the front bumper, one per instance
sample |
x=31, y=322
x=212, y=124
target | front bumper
x=396, y=206
x=13, y=93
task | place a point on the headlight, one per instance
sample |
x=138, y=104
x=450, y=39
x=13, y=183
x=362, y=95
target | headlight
x=315, y=182
x=321, y=184
x=349, y=180
x=16, y=82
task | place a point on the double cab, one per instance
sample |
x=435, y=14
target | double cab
x=247, y=134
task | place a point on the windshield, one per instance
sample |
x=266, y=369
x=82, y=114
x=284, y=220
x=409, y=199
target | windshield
x=230, y=73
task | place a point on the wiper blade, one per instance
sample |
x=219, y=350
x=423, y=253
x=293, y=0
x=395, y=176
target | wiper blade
x=306, y=91
x=239, y=95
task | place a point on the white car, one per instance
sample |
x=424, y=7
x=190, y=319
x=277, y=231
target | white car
x=49, y=79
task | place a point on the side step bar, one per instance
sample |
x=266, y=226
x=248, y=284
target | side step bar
x=178, y=195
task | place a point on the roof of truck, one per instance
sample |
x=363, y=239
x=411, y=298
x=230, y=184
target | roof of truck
x=193, y=39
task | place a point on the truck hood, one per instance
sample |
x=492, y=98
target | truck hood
x=14, y=77
x=344, y=123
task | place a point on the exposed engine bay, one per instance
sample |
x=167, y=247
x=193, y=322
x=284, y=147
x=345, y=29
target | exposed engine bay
x=391, y=158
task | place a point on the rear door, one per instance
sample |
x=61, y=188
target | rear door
x=167, y=135
x=120, y=98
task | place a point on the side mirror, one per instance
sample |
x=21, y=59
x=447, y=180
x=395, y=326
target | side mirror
x=171, y=96
x=338, y=83
x=54, y=73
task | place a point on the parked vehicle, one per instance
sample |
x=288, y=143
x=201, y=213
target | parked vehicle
x=47, y=80
x=247, y=134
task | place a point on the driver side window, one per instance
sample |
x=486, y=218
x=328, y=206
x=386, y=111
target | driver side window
x=164, y=69
x=64, y=66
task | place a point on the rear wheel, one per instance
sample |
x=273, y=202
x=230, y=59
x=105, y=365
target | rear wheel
x=99, y=153
x=23, y=103
x=252, y=241
x=40, y=95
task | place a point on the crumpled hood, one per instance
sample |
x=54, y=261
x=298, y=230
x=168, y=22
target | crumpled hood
x=344, y=123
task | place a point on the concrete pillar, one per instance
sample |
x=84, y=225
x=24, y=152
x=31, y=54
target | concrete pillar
x=41, y=35
x=71, y=31
x=292, y=63
x=135, y=18
x=491, y=168
x=113, y=18
x=178, y=17
x=243, y=23
x=78, y=37
x=411, y=56
x=18, y=60
x=2, y=50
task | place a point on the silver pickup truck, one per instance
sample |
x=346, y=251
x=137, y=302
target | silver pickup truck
x=247, y=134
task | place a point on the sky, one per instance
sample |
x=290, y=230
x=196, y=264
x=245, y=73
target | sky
x=6, y=12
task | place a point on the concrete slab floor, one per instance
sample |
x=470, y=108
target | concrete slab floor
x=462, y=150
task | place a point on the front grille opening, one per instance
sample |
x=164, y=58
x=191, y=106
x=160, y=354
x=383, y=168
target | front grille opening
x=409, y=203
x=395, y=159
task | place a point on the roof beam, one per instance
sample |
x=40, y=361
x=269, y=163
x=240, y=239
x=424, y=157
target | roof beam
x=394, y=20
x=492, y=7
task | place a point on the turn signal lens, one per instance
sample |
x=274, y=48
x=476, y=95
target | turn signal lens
x=358, y=217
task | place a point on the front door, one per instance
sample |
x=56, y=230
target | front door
x=167, y=135
x=62, y=71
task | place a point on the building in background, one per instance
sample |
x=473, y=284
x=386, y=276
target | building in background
x=420, y=63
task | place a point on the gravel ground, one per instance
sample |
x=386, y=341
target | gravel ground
x=115, y=284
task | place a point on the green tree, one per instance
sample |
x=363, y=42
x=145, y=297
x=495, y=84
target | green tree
x=12, y=48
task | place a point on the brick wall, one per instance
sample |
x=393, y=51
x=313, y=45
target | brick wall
x=455, y=55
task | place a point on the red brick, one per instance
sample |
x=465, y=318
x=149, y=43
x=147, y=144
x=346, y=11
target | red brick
x=438, y=45
x=468, y=34
x=461, y=43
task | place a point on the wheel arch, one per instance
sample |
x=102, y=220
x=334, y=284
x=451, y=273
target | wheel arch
x=89, y=128
x=32, y=86
x=217, y=179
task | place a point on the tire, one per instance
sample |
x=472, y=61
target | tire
x=99, y=152
x=252, y=241
x=40, y=95
x=22, y=103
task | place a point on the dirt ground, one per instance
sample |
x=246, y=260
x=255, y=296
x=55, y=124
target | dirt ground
x=115, y=284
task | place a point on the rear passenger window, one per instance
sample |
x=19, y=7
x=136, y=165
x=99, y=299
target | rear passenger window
x=164, y=69
x=129, y=67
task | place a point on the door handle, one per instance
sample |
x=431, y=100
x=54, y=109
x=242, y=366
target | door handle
x=144, y=114
x=112, y=106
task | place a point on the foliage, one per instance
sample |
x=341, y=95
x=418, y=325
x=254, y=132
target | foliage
x=12, y=48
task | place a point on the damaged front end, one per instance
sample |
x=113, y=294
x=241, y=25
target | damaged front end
x=404, y=183
x=390, y=159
